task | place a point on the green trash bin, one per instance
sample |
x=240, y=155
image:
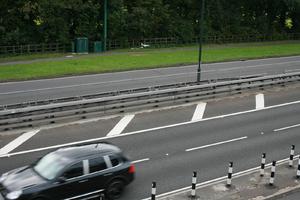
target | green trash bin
x=98, y=47
x=72, y=47
x=82, y=45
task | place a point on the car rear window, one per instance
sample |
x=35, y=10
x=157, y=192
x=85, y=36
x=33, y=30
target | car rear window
x=97, y=164
x=114, y=160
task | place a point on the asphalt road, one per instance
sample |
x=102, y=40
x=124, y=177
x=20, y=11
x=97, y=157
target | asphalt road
x=289, y=196
x=16, y=92
x=169, y=154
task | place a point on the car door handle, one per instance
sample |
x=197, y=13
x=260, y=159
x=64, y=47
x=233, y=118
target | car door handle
x=83, y=181
x=108, y=174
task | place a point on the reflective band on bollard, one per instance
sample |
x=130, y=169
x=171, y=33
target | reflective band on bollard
x=153, y=191
x=194, y=182
x=273, y=168
x=263, y=162
x=229, y=177
x=298, y=170
x=292, y=156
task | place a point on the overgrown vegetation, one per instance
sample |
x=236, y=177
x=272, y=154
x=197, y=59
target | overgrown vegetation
x=48, y=21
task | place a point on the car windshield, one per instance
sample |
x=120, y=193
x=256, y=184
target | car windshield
x=50, y=165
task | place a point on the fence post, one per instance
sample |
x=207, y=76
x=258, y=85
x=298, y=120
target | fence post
x=263, y=162
x=153, y=191
x=292, y=156
x=194, y=182
x=273, y=168
x=229, y=177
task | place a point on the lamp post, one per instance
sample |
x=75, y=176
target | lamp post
x=105, y=25
x=200, y=41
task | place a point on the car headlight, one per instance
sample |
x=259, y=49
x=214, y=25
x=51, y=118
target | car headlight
x=3, y=177
x=14, y=194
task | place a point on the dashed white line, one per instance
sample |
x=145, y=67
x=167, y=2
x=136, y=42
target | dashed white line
x=260, y=101
x=288, y=127
x=199, y=112
x=139, y=161
x=146, y=130
x=215, y=144
x=17, y=142
x=121, y=125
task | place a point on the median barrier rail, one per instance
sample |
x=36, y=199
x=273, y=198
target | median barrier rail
x=132, y=100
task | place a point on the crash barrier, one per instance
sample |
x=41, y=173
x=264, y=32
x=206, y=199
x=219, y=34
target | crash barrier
x=230, y=175
x=67, y=111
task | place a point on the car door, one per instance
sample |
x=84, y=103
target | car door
x=100, y=174
x=73, y=183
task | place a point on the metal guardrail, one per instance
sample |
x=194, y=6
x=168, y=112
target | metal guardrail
x=114, y=93
x=68, y=111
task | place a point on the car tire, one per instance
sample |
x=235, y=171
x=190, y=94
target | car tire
x=115, y=189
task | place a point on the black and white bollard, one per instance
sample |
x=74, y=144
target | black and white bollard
x=229, y=177
x=153, y=191
x=194, y=182
x=298, y=170
x=292, y=156
x=273, y=168
x=263, y=163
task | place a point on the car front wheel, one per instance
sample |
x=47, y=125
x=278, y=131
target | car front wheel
x=115, y=189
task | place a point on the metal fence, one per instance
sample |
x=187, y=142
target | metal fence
x=33, y=48
x=148, y=42
x=215, y=39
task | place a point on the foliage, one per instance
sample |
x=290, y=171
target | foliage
x=46, y=21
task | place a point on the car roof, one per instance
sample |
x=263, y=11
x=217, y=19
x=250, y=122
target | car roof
x=83, y=151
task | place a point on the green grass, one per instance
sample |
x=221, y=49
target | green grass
x=142, y=59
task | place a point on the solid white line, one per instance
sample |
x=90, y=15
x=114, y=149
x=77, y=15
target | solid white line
x=139, y=161
x=17, y=142
x=260, y=101
x=121, y=125
x=199, y=112
x=219, y=180
x=217, y=143
x=288, y=127
x=147, y=130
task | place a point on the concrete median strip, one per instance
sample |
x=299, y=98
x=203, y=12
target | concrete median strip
x=246, y=184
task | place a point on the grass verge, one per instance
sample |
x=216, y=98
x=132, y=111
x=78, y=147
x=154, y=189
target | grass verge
x=121, y=61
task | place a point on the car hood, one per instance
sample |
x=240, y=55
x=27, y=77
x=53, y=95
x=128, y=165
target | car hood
x=22, y=178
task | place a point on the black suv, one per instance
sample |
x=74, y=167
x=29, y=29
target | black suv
x=77, y=172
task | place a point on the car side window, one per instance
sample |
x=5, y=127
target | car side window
x=97, y=164
x=114, y=160
x=74, y=171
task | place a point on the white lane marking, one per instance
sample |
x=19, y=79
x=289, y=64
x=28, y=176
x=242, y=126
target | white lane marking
x=216, y=144
x=219, y=180
x=260, y=101
x=139, y=161
x=143, y=78
x=292, y=70
x=147, y=130
x=17, y=142
x=288, y=127
x=199, y=112
x=121, y=125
